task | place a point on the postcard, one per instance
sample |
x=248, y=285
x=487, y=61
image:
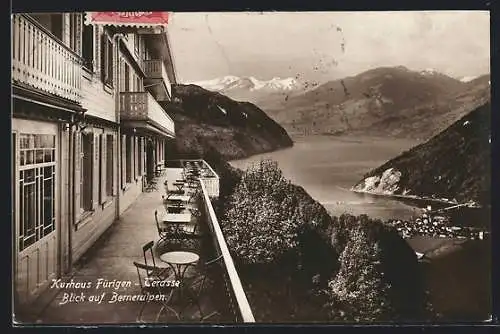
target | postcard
x=251, y=167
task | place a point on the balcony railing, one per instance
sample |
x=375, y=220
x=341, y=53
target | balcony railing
x=141, y=106
x=41, y=61
x=155, y=69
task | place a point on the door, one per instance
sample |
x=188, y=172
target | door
x=35, y=219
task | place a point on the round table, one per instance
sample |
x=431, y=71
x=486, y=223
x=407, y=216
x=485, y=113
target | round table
x=179, y=261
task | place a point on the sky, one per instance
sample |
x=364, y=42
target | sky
x=322, y=46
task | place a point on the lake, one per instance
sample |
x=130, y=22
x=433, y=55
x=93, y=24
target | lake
x=328, y=166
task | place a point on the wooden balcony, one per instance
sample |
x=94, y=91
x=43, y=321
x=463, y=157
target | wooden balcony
x=141, y=110
x=40, y=60
x=157, y=79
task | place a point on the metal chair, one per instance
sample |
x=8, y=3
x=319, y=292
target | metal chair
x=151, y=184
x=163, y=232
x=197, y=284
x=176, y=233
x=148, y=290
x=147, y=249
x=175, y=208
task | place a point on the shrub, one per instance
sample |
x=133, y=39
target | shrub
x=266, y=214
x=275, y=228
x=378, y=277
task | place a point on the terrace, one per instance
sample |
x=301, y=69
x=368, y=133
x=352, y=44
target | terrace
x=111, y=259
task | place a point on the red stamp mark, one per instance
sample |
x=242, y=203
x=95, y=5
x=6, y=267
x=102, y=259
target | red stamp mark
x=128, y=18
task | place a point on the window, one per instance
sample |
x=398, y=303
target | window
x=128, y=159
x=109, y=165
x=86, y=174
x=51, y=22
x=88, y=47
x=107, y=60
x=36, y=186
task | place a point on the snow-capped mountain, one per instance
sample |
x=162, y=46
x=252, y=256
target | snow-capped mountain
x=251, y=89
x=468, y=78
x=231, y=82
x=429, y=71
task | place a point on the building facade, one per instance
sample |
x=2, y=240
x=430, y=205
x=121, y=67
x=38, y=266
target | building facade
x=88, y=131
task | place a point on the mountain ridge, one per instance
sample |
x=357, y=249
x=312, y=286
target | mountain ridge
x=208, y=120
x=384, y=101
x=453, y=164
x=228, y=82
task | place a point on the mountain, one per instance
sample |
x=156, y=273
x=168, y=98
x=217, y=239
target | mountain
x=250, y=88
x=455, y=164
x=386, y=101
x=231, y=82
x=467, y=78
x=206, y=120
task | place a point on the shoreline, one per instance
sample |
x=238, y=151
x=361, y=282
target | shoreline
x=408, y=197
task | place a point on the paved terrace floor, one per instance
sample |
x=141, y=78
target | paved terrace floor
x=112, y=258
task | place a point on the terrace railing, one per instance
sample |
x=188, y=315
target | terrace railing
x=238, y=302
x=210, y=178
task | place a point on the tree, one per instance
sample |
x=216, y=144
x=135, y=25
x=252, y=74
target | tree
x=266, y=215
x=358, y=291
x=378, y=279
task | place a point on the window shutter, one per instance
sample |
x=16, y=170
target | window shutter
x=141, y=155
x=157, y=151
x=103, y=57
x=122, y=74
x=116, y=165
x=136, y=154
x=97, y=50
x=163, y=151
x=78, y=168
x=132, y=158
x=165, y=158
x=123, y=162
x=110, y=61
x=94, y=149
x=103, y=163
x=78, y=30
x=66, y=31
